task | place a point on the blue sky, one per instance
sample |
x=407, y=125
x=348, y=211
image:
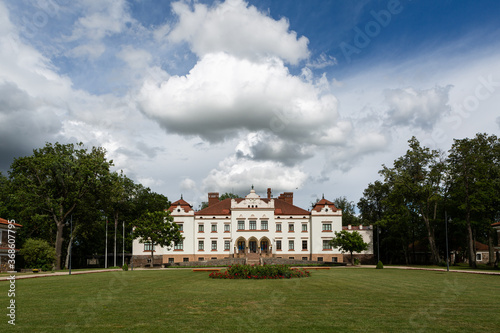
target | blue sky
x=305, y=96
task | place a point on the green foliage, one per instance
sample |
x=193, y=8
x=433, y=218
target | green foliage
x=125, y=267
x=260, y=272
x=356, y=261
x=157, y=228
x=347, y=241
x=348, y=211
x=38, y=253
x=380, y=265
x=228, y=196
x=54, y=181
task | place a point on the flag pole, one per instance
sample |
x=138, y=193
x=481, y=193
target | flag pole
x=106, y=250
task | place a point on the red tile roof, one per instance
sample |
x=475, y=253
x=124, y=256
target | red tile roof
x=4, y=221
x=322, y=203
x=496, y=224
x=280, y=208
x=184, y=205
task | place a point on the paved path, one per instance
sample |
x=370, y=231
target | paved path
x=438, y=269
x=37, y=275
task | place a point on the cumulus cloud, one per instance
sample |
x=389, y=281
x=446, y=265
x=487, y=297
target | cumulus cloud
x=417, y=108
x=234, y=174
x=265, y=147
x=239, y=29
x=223, y=95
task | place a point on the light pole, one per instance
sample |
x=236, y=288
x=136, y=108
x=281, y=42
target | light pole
x=71, y=242
x=446, y=234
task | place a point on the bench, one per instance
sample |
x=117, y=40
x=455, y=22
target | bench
x=206, y=270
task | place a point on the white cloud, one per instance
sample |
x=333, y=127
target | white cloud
x=92, y=50
x=101, y=19
x=238, y=175
x=223, y=95
x=239, y=29
x=417, y=108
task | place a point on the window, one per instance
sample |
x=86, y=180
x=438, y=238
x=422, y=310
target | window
x=479, y=256
x=278, y=227
x=263, y=225
x=291, y=258
x=201, y=245
x=304, y=227
x=179, y=246
x=326, y=244
x=181, y=227
x=291, y=227
x=170, y=260
x=304, y=258
x=227, y=244
x=201, y=259
x=214, y=245
x=278, y=245
x=327, y=227
x=334, y=259
x=185, y=259
x=201, y=228
x=241, y=225
x=291, y=244
x=149, y=247
x=214, y=227
x=227, y=227
x=304, y=245
x=253, y=225
x=320, y=258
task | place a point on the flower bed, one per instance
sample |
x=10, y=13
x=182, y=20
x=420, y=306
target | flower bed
x=260, y=272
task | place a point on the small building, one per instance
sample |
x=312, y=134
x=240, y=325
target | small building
x=252, y=228
x=4, y=243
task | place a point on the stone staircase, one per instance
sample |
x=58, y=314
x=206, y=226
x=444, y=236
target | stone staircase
x=253, y=259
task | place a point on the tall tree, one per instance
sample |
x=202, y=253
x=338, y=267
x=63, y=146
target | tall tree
x=55, y=180
x=348, y=211
x=417, y=176
x=157, y=228
x=474, y=182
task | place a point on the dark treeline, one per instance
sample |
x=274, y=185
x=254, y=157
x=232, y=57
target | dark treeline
x=409, y=203
x=64, y=183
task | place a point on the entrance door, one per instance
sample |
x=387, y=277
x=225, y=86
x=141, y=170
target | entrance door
x=264, y=246
x=241, y=246
x=252, y=246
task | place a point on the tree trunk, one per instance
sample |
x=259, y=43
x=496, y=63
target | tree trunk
x=472, y=254
x=152, y=255
x=70, y=244
x=432, y=241
x=59, y=242
x=491, y=261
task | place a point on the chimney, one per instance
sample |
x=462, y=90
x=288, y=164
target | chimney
x=287, y=197
x=213, y=198
x=269, y=193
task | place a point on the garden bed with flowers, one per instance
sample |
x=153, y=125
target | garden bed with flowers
x=260, y=272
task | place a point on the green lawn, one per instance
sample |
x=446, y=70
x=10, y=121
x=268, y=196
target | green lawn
x=335, y=300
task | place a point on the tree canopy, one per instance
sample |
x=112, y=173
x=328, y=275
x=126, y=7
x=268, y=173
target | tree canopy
x=157, y=228
x=349, y=241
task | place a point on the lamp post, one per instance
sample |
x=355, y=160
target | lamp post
x=446, y=234
x=71, y=241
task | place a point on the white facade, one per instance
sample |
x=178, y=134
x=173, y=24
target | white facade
x=251, y=227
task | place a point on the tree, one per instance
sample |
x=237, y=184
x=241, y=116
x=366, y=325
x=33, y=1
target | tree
x=348, y=211
x=474, y=182
x=157, y=228
x=38, y=253
x=347, y=241
x=55, y=180
x=227, y=195
x=417, y=177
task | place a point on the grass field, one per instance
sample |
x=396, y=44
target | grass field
x=335, y=300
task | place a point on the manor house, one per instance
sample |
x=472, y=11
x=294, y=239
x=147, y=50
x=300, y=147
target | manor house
x=252, y=228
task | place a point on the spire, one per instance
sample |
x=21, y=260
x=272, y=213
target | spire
x=252, y=186
x=323, y=195
x=181, y=197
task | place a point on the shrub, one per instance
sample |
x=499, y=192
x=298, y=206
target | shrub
x=356, y=261
x=380, y=265
x=442, y=263
x=260, y=272
x=125, y=267
x=38, y=253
